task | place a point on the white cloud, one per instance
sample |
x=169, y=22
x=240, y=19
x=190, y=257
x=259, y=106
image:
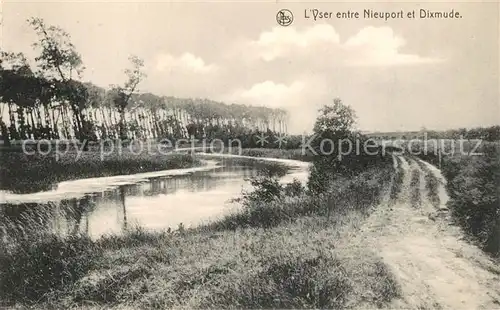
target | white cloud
x=267, y=93
x=186, y=61
x=371, y=46
x=299, y=98
x=373, y=37
x=270, y=93
x=281, y=41
x=185, y=75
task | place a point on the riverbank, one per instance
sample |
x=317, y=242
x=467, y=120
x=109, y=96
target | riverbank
x=294, y=154
x=43, y=171
x=282, y=252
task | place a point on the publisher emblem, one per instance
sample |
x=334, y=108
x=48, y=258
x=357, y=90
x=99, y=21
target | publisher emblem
x=284, y=17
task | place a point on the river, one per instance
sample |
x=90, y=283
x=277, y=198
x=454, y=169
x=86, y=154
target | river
x=154, y=200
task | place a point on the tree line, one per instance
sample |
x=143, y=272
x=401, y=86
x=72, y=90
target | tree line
x=51, y=102
x=491, y=133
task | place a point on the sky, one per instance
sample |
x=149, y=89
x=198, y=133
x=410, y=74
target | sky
x=399, y=74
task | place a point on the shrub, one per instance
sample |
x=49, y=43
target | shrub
x=294, y=189
x=271, y=203
x=266, y=190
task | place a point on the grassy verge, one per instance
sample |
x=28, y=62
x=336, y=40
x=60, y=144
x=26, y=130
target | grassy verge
x=473, y=179
x=43, y=171
x=473, y=187
x=296, y=154
x=272, y=204
x=288, y=250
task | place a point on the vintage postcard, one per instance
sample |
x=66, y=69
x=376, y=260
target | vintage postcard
x=249, y=155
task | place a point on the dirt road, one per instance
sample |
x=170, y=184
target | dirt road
x=435, y=267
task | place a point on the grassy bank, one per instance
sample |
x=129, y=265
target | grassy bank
x=21, y=172
x=473, y=187
x=295, y=154
x=289, y=250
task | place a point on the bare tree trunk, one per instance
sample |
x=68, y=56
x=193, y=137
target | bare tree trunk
x=3, y=127
x=33, y=127
x=55, y=127
x=121, y=124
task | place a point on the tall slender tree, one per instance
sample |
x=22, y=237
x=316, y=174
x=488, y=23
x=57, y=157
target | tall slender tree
x=122, y=94
x=60, y=62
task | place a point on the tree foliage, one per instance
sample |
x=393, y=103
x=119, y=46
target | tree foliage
x=342, y=151
x=334, y=124
x=121, y=95
x=58, y=55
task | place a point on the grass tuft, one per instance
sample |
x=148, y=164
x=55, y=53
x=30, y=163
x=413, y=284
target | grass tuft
x=33, y=270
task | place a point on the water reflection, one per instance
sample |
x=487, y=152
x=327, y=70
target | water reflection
x=155, y=203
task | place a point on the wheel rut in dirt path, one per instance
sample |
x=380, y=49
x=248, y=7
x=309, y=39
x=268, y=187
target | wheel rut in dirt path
x=435, y=267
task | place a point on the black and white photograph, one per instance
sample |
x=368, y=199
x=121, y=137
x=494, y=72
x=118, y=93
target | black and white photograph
x=249, y=154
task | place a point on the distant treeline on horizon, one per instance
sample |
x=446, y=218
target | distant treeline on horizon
x=487, y=133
